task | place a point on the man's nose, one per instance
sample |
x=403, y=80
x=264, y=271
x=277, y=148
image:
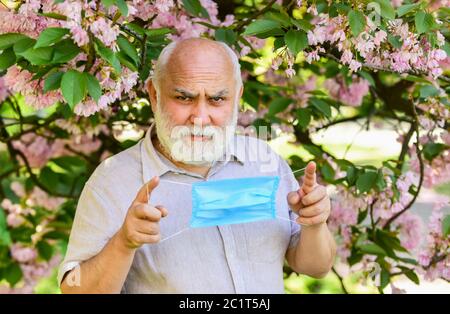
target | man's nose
x=200, y=114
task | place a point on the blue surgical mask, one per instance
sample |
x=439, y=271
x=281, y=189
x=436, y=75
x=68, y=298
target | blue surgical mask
x=232, y=201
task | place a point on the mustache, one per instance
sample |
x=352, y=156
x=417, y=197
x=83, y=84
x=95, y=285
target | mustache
x=206, y=131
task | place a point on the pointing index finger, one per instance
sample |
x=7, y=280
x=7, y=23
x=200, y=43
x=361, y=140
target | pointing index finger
x=144, y=193
x=309, y=180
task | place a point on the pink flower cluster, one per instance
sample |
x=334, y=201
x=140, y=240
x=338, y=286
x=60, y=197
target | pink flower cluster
x=434, y=259
x=415, y=53
x=19, y=81
x=344, y=214
x=26, y=20
x=38, y=149
x=351, y=95
x=32, y=268
x=411, y=228
x=438, y=170
x=112, y=91
x=18, y=213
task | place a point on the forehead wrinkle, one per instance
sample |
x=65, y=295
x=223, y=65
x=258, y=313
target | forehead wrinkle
x=223, y=92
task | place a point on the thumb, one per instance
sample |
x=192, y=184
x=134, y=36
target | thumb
x=309, y=180
x=146, y=190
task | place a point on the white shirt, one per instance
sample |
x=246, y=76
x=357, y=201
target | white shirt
x=237, y=258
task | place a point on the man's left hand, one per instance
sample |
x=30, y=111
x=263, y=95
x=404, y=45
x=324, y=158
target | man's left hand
x=311, y=202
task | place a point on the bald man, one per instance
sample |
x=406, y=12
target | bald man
x=131, y=229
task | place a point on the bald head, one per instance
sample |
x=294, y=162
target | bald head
x=196, y=55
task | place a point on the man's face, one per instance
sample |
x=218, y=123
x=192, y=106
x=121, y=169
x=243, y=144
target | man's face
x=196, y=112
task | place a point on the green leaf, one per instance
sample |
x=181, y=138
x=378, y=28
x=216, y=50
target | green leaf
x=303, y=117
x=446, y=48
x=367, y=76
x=321, y=106
x=65, y=50
x=73, y=87
x=278, y=105
x=327, y=172
x=296, y=41
x=5, y=238
x=45, y=250
x=380, y=182
x=39, y=56
x=7, y=58
x=225, y=35
x=372, y=248
x=446, y=226
x=53, y=81
x=351, y=175
x=13, y=273
x=93, y=86
x=128, y=49
x=9, y=39
x=410, y=274
x=50, y=36
x=388, y=239
x=261, y=26
x=302, y=24
x=53, y=15
x=366, y=181
x=108, y=3
x=431, y=150
x=280, y=16
x=126, y=61
x=406, y=8
x=157, y=32
x=357, y=22
x=394, y=41
x=195, y=8
x=108, y=55
x=362, y=215
x=387, y=11
x=23, y=45
x=385, y=278
x=424, y=22
x=123, y=7
x=428, y=91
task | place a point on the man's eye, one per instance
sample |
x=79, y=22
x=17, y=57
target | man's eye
x=217, y=99
x=182, y=98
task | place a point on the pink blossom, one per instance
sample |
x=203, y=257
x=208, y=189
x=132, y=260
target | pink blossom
x=23, y=254
x=351, y=95
x=14, y=220
x=380, y=36
x=347, y=56
x=19, y=81
x=354, y=65
x=79, y=35
x=37, y=149
x=246, y=118
x=164, y=5
x=410, y=226
x=3, y=90
x=105, y=31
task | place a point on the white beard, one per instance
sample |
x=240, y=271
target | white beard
x=176, y=140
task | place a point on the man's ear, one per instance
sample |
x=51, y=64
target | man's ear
x=151, y=91
x=241, y=91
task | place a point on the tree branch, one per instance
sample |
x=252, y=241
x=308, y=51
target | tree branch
x=421, y=165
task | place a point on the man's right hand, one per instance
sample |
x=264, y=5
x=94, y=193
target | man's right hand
x=141, y=225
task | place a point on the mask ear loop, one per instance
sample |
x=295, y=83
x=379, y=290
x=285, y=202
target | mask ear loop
x=182, y=230
x=283, y=218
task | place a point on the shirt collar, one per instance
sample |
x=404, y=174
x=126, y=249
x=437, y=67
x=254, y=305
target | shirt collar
x=152, y=165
